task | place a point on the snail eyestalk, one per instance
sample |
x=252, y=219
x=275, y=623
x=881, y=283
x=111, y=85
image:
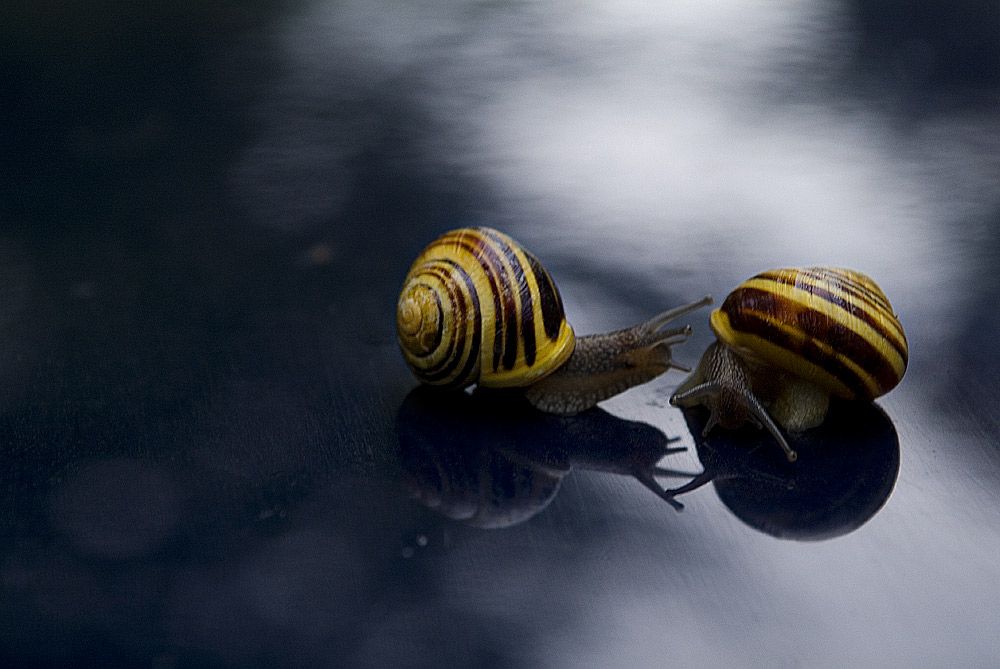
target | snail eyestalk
x=722, y=384
x=763, y=419
x=661, y=319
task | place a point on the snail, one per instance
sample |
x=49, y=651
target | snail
x=477, y=308
x=788, y=340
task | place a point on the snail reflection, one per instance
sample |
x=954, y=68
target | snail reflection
x=790, y=339
x=490, y=459
x=846, y=473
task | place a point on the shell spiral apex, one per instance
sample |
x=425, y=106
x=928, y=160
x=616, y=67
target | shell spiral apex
x=477, y=308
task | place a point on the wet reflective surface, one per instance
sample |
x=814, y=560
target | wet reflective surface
x=846, y=473
x=492, y=460
x=214, y=454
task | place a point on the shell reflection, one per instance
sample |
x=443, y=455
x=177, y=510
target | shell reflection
x=846, y=472
x=490, y=460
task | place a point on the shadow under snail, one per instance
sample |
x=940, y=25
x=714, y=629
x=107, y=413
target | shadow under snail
x=477, y=308
x=788, y=339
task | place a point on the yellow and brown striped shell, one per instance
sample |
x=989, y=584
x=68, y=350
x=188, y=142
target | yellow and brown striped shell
x=478, y=308
x=833, y=327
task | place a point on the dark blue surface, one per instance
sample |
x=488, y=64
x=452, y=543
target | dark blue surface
x=215, y=456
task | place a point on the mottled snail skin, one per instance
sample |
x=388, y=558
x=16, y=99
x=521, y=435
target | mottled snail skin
x=477, y=308
x=607, y=364
x=789, y=339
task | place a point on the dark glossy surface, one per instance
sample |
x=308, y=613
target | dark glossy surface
x=214, y=454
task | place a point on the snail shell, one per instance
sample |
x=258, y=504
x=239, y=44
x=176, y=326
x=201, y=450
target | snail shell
x=832, y=327
x=477, y=308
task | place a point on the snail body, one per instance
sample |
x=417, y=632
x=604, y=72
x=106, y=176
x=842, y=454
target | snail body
x=477, y=308
x=788, y=340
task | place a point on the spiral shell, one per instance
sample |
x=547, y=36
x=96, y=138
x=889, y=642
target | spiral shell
x=477, y=308
x=833, y=327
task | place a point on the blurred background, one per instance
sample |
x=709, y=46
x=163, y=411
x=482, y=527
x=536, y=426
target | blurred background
x=211, y=453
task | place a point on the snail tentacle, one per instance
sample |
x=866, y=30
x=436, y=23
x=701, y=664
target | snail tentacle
x=661, y=319
x=695, y=395
x=605, y=365
x=764, y=419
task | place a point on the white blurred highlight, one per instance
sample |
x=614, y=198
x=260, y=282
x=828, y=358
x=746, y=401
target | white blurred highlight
x=687, y=138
